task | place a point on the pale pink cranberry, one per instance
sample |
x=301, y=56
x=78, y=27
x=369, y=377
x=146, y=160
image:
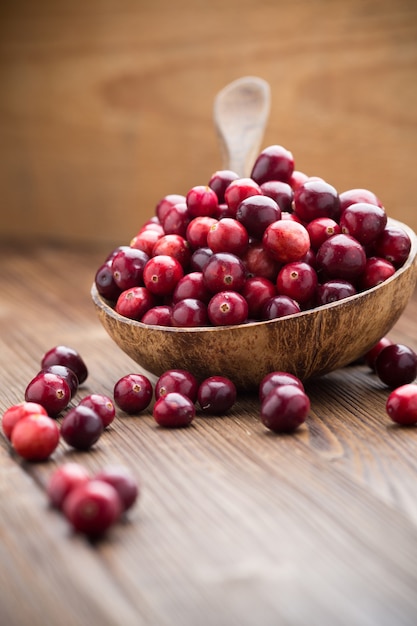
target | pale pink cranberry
x=35, y=437
x=286, y=241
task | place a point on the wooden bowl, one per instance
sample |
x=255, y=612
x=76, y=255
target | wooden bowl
x=306, y=344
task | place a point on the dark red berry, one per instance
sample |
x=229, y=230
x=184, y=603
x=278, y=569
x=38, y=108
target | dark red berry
x=401, y=405
x=256, y=214
x=393, y=244
x=257, y=291
x=279, y=306
x=49, y=390
x=67, y=374
x=238, y=190
x=396, y=365
x=219, y=182
x=273, y=163
x=105, y=283
x=178, y=381
x=334, y=290
x=277, y=379
x=134, y=302
x=123, y=481
x=189, y=312
x=371, y=355
x=227, y=308
x=81, y=427
x=133, y=393
x=363, y=221
x=316, y=198
x=166, y=203
x=285, y=408
x=224, y=271
x=127, y=267
x=174, y=410
x=158, y=316
x=102, y=405
x=92, y=508
x=216, y=395
x=64, y=355
x=161, y=274
x=341, y=256
x=298, y=280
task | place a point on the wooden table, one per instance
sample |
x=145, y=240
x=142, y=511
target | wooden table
x=235, y=526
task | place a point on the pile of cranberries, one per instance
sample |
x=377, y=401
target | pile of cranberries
x=249, y=249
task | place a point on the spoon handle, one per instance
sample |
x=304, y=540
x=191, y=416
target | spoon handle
x=241, y=111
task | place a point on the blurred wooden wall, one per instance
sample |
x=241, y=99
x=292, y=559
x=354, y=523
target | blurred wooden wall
x=106, y=105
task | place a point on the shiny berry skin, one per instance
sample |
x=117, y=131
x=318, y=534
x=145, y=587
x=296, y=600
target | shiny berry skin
x=341, y=256
x=146, y=239
x=166, y=203
x=273, y=163
x=17, y=412
x=201, y=200
x=161, y=274
x=191, y=285
x=123, y=481
x=363, y=221
x=285, y=408
x=189, y=313
x=197, y=231
x=256, y=213
x=92, y=508
x=257, y=291
x=297, y=280
x=35, y=437
x=81, y=427
x=286, y=241
x=105, y=283
x=228, y=235
x=224, y=271
x=277, y=379
x=127, y=267
x=178, y=381
x=259, y=263
x=279, y=191
x=175, y=246
x=396, y=365
x=216, y=395
x=297, y=179
x=393, y=244
x=134, y=302
x=133, y=393
x=376, y=272
x=238, y=190
x=67, y=374
x=316, y=198
x=173, y=410
x=227, y=308
x=200, y=258
x=401, y=405
x=176, y=220
x=321, y=229
x=158, y=316
x=353, y=196
x=63, y=480
x=49, y=390
x=65, y=355
x=220, y=180
x=279, y=306
x=102, y=405
x=334, y=290
x=371, y=355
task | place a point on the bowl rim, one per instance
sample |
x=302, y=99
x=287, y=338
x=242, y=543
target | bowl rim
x=106, y=307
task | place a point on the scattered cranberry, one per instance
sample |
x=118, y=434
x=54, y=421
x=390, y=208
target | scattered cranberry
x=257, y=291
x=277, y=379
x=123, y=482
x=35, y=437
x=285, y=408
x=133, y=393
x=49, y=390
x=396, y=365
x=371, y=355
x=17, y=412
x=102, y=405
x=63, y=480
x=401, y=405
x=81, y=427
x=216, y=395
x=179, y=381
x=174, y=410
x=92, y=508
x=67, y=374
x=64, y=355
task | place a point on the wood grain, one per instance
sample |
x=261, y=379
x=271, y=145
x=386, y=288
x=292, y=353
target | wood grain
x=107, y=106
x=235, y=526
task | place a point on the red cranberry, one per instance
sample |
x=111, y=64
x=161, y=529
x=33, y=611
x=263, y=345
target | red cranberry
x=216, y=395
x=224, y=271
x=166, y=203
x=123, y=481
x=279, y=191
x=49, y=390
x=228, y=235
x=316, y=198
x=393, y=244
x=127, y=267
x=176, y=220
x=279, y=306
x=102, y=405
x=105, y=283
x=219, y=182
x=201, y=200
x=197, y=231
x=81, y=427
x=161, y=274
x=238, y=190
x=277, y=379
x=67, y=374
x=256, y=213
x=371, y=355
x=178, y=381
x=227, y=308
x=133, y=393
x=321, y=229
x=401, y=405
x=341, y=256
x=353, y=196
x=92, y=508
x=376, y=272
x=146, y=239
x=173, y=410
x=158, y=316
x=334, y=290
x=273, y=163
x=134, y=302
x=286, y=241
x=35, y=437
x=297, y=280
x=191, y=286
x=63, y=480
x=257, y=291
x=297, y=179
x=363, y=221
x=285, y=408
x=64, y=355
x=259, y=263
x=396, y=365
x=17, y=412
x=199, y=259
x=189, y=313
x=175, y=246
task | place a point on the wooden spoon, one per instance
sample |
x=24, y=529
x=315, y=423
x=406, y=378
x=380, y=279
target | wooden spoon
x=241, y=112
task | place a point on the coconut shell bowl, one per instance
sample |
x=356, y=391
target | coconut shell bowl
x=307, y=344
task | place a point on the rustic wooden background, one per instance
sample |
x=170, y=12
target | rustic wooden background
x=106, y=105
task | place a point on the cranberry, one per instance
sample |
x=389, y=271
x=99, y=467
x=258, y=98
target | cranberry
x=401, y=405
x=92, y=508
x=64, y=355
x=191, y=286
x=279, y=306
x=228, y=235
x=146, y=239
x=176, y=220
x=127, y=267
x=279, y=191
x=285, y=408
x=371, y=355
x=297, y=179
x=259, y=263
x=334, y=290
x=67, y=374
x=297, y=280
x=277, y=379
x=376, y=271
x=199, y=259
x=321, y=229
x=49, y=390
x=134, y=302
x=133, y=393
x=197, y=231
x=224, y=271
x=256, y=213
x=201, y=200
x=178, y=381
x=161, y=274
x=257, y=291
x=175, y=246
x=81, y=427
x=316, y=198
x=35, y=437
x=396, y=365
x=123, y=481
x=353, y=196
x=158, y=316
x=223, y=210
x=189, y=312
x=219, y=182
x=63, y=480
x=227, y=308
x=17, y=412
x=238, y=190
x=166, y=203
x=173, y=410
x=363, y=221
x=102, y=405
x=105, y=283
x=341, y=256
x=273, y=163
x=286, y=241
x=393, y=244
x=216, y=395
